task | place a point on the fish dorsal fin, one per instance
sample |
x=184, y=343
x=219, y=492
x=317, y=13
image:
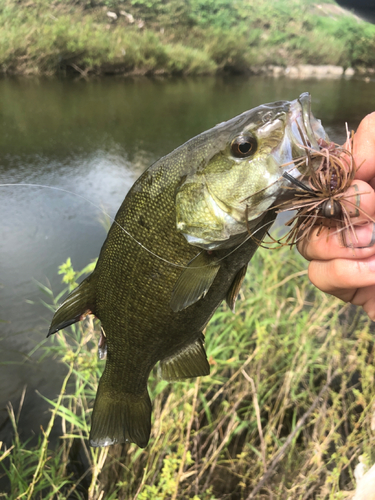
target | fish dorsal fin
x=195, y=281
x=76, y=306
x=235, y=287
x=191, y=361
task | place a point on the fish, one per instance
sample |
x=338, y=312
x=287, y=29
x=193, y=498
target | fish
x=180, y=244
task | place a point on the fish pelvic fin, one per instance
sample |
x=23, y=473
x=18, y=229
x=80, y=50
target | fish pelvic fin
x=195, y=281
x=191, y=361
x=120, y=417
x=76, y=306
x=235, y=288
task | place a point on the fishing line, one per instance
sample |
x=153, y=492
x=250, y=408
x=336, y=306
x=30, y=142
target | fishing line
x=296, y=163
x=54, y=188
x=181, y=266
x=101, y=209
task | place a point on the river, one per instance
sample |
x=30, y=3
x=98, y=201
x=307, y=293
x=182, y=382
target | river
x=94, y=138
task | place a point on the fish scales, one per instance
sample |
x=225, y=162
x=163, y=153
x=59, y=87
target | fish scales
x=157, y=283
x=151, y=330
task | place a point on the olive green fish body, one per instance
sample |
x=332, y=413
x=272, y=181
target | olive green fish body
x=178, y=247
x=133, y=294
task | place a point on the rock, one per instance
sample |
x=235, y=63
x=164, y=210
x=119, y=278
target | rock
x=128, y=16
x=373, y=418
x=360, y=469
x=292, y=72
x=305, y=71
x=349, y=72
x=112, y=15
x=329, y=69
x=276, y=71
x=310, y=71
x=366, y=485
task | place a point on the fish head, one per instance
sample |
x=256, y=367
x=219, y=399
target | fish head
x=232, y=189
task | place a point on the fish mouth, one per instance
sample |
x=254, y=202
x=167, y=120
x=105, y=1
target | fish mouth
x=304, y=133
x=305, y=129
x=312, y=127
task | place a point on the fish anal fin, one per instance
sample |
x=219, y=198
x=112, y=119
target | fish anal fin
x=235, y=287
x=191, y=361
x=76, y=307
x=194, y=282
x=119, y=416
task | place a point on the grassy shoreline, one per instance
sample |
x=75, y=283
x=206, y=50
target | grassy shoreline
x=189, y=37
x=290, y=392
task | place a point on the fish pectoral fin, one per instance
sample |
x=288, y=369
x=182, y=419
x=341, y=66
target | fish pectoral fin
x=119, y=416
x=194, y=282
x=77, y=306
x=191, y=361
x=235, y=287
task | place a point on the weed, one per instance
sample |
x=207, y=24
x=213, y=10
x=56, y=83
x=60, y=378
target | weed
x=175, y=36
x=287, y=407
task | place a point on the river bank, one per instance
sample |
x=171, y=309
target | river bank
x=93, y=138
x=193, y=37
x=287, y=410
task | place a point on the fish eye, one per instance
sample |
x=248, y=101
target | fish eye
x=243, y=146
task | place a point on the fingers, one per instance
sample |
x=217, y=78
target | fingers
x=359, y=201
x=365, y=297
x=329, y=243
x=349, y=275
x=364, y=148
x=353, y=281
x=348, y=270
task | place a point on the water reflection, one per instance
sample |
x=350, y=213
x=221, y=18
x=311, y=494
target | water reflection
x=94, y=139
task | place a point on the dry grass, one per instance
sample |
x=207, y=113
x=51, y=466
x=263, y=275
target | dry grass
x=285, y=413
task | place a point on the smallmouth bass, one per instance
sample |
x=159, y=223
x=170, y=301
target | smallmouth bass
x=179, y=246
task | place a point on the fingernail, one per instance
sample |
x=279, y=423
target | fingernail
x=364, y=236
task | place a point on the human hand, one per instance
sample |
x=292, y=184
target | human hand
x=349, y=272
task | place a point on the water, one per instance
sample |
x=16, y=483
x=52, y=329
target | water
x=95, y=138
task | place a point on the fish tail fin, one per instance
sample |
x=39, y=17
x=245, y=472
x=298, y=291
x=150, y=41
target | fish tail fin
x=120, y=416
x=77, y=306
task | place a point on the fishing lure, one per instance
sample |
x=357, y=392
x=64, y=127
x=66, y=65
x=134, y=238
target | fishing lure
x=321, y=197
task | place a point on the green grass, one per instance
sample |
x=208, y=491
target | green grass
x=290, y=396
x=176, y=36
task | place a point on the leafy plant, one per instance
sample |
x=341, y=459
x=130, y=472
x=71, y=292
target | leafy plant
x=290, y=391
x=175, y=36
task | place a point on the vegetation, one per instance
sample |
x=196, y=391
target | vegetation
x=288, y=407
x=175, y=36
